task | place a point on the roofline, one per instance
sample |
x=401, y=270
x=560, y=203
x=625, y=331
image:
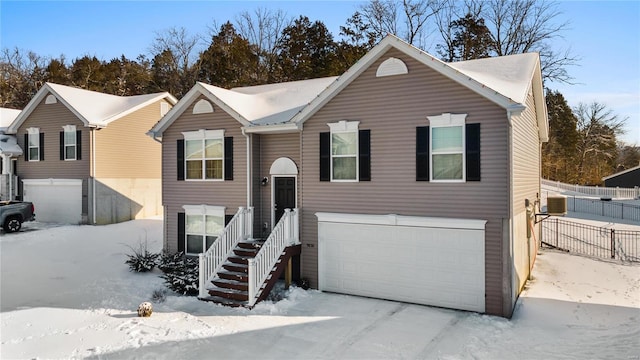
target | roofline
x=37, y=98
x=159, y=96
x=197, y=90
x=392, y=41
x=272, y=128
x=621, y=172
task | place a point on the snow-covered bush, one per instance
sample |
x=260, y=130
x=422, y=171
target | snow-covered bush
x=180, y=273
x=141, y=260
x=159, y=295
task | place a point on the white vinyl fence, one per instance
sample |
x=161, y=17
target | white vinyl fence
x=617, y=193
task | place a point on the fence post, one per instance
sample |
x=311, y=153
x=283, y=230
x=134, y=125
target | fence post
x=613, y=243
x=556, y=219
x=251, y=272
x=201, y=274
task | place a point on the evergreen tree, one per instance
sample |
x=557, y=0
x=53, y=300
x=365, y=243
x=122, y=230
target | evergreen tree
x=471, y=39
x=559, y=153
x=230, y=60
x=306, y=51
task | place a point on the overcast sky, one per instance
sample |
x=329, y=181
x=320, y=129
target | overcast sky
x=604, y=34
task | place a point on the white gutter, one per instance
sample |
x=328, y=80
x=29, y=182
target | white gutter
x=512, y=284
x=248, y=138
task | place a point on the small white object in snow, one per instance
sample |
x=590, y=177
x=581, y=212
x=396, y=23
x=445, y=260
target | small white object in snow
x=145, y=309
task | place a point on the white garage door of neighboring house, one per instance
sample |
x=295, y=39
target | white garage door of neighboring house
x=55, y=200
x=430, y=261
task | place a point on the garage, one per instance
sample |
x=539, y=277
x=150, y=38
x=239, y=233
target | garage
x=421, y=260
x=55, y=200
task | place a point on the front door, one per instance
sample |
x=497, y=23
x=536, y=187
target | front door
x=284, y=196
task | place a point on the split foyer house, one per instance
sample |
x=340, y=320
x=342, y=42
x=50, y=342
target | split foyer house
x=406, y=178
x=86, y=158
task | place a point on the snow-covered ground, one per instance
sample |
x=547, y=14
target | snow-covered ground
x=65, y=292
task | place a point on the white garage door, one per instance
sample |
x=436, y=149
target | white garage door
x=430, y=261
x=55, y=200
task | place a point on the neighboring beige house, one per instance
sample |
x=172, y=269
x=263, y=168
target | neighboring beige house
x=9, y=151
x=86, y=158
x=414, y=180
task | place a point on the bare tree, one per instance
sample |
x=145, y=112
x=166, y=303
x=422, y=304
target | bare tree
x=263, y=29
x=520, y=26
x=179, y=49
x=597, y=144
x=22, y=73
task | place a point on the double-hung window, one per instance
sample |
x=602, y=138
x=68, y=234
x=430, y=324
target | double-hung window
x=204, y=155
x=448, y=150
x=344, y=150
x=69, y=142
x=203, y=225
x=447, y=147
x=34, y=144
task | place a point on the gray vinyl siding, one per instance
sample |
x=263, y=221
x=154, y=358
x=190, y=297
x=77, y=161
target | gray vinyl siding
x=272, y=147
x=231, y=194
x=392, y=107
x=50, y=118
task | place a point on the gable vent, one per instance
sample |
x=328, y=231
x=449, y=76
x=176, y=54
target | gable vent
x=392, y=66
x=202, y=107
x=50, y=100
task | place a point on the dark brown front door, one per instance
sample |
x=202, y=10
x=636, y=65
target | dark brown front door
x=284, y=196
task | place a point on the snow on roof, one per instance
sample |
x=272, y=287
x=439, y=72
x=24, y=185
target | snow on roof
x=509, y=75
x=7, y=116
x=9, y=145
x=92, y=107
x=99, y=108
x=271, y=103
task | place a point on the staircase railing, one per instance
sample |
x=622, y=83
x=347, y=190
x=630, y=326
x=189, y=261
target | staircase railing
x=210, y=262
x=285, y=233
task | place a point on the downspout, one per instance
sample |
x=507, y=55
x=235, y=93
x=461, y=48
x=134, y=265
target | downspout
x=510, y=212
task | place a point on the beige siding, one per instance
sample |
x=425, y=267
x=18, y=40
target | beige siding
x=392, y=107
x=526, y=185
x=123, y=150
x=175, y=194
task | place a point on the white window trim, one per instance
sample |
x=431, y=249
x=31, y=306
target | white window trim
x=36, y=132
x=441, y=121
x=344, y=126
x=72, y=129
x=203, y=135
x=202, y=210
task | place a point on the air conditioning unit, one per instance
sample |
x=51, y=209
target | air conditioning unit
x=557, y=205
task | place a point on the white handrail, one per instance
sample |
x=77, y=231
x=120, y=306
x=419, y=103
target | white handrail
x=284, y=234
x=210, y=262
x=614, y=192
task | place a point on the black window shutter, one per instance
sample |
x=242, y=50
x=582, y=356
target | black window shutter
x=472, y=149
x=180, y=163
x=325, y=156
x=78, y=145
x=61, y=145
x=41, y=146
x=26, y=148
x=227, y=219
x=422, y=153
x=181, y=232
x=228, y=158
x=364, y=154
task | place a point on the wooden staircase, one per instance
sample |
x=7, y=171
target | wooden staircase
x=230, y=285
